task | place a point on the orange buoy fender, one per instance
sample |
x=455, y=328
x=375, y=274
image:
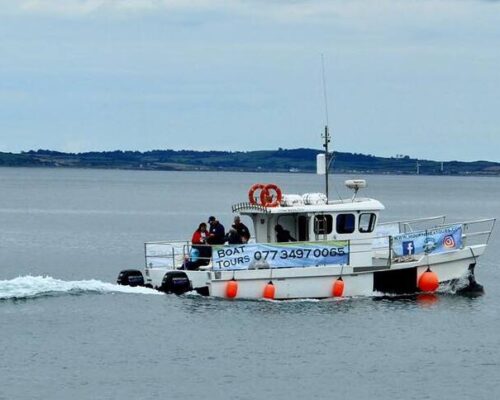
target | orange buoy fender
x=253, y=189
x=268, y=200
x=338, y=287
x=269, y=291
x=428, y=281
x=231, y=289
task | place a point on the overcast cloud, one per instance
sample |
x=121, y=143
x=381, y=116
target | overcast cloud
x=403, y=77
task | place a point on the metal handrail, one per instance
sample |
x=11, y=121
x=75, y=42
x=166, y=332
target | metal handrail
x=171, y=254
x=168, y=242
x=412, y=221
x=246, y=206
x=467, y=224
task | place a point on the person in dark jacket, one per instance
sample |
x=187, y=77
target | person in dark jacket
x=233, y=237
x=242, y=229
x=217, y=233
x=282, y=235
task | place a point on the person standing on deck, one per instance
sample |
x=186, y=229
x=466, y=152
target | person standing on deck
x=242, y=229
x=200, y=235
x=199, y=243
x=217, y=233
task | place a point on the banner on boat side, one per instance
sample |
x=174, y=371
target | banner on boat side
x=437, y=240
x=280, y=255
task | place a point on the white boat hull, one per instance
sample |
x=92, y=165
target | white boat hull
x=317, y=282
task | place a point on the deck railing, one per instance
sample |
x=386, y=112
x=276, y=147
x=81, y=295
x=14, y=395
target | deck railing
x=416, y=224
x=166, y=254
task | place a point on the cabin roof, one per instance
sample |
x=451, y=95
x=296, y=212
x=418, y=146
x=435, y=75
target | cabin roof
x=346, y=205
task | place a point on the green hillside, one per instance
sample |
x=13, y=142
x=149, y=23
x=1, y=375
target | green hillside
x=281, y=160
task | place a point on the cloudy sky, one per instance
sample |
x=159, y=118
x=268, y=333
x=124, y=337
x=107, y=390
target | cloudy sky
x=416, y=77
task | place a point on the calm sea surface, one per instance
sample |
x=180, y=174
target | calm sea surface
x=67, y=332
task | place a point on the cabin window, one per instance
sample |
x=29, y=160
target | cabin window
x=345, y=223
x=323, y=224
x=367, y=222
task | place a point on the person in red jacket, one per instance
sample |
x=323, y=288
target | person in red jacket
x=199, y=242
x=200, y=235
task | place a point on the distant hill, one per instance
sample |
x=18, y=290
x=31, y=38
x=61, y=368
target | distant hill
x=281, y=160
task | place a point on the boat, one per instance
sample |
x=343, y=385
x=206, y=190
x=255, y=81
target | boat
x=340, y=249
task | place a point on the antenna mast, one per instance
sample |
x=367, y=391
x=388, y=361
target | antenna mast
x=326, y=135
x=328, y=158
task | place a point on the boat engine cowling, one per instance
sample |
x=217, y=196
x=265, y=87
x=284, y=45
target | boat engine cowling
x=176, y=282
x=130, y=277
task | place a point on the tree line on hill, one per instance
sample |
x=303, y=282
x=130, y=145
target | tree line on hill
x=281, y=160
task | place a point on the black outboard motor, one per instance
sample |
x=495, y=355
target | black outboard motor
x=130, y=277
x=175, y=282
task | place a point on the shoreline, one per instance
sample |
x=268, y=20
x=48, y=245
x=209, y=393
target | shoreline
x=342, y=172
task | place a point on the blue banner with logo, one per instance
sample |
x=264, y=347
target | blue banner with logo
x=437, y=240
x=280, y=255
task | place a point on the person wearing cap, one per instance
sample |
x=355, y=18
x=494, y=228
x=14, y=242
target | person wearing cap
x=242, y=229
x=217, y=233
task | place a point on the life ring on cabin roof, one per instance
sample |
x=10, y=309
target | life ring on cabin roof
x=267, y=199
x=253, y=189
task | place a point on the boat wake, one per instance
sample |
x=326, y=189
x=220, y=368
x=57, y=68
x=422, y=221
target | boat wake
x=29, y=287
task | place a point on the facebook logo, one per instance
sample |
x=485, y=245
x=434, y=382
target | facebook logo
x=408, y=248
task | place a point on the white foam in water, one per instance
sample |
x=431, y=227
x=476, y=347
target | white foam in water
x=25, y=287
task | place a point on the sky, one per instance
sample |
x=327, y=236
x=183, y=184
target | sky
x=413, y=77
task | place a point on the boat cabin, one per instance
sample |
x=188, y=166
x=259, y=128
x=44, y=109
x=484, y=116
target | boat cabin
x=310, y=218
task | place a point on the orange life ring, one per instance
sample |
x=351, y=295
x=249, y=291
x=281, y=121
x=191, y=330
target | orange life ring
x=253, y=189
x=268, y=200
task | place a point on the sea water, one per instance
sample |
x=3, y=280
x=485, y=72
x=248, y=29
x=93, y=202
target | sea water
x=68, y=331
